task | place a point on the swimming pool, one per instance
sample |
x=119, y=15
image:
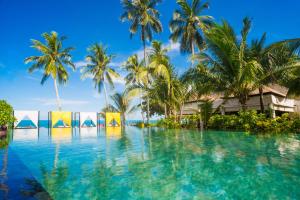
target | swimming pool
x=151, y=164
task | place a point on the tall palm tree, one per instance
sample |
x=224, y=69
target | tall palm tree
x=159, y=61
x=144, y=18
x=137, y=74
x=188, y=23
x=230, y=69
x=122, y=103
x=274, y=59
x=98, y=67
x=53, y=60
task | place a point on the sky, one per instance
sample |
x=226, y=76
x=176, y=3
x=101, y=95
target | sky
x=85, y=22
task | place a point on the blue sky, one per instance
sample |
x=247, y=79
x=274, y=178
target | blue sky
x=88, y=21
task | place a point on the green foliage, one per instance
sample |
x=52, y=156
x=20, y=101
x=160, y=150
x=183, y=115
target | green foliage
x=168, y=123
x=206, y=111
x=253, y=122
x=191, y=121
x=6, y=114
x=188, y=23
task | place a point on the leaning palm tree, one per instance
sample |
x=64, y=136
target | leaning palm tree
x=274, y=59
x=230, y=70
x=53, y=60
x=159, y=60
x=137, y=74
x=122, y=103
x=188, y=23
x=144, y=18
x=98, y=67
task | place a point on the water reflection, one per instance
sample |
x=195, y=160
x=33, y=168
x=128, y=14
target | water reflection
x=25, y=134
x=88, y=132
x=61, y=134
x=164, y=164
x=113, y=132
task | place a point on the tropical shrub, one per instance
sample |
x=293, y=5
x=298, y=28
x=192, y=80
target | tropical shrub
x=168, y=123
x=254, y=122
x=6, y=114
x=191, y=121
x=296, y=125
x=206, y=111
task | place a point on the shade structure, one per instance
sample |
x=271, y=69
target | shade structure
x=88, y=119
x=112, y=119
x=60, y=119
x=26, y=119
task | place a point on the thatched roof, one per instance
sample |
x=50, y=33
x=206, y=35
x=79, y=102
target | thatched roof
x=268, y=89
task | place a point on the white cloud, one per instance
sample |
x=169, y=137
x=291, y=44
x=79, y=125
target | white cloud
x=80, y=63
x=173, y=49
x=32, y=78
x=53, y=102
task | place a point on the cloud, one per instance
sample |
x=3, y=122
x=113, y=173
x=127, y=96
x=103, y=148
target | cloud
x=80, y=63
x=53, y=102
x=173, y=49
x=32, y=78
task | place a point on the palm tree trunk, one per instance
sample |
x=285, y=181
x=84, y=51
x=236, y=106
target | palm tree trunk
x=145, y=60
x=142, y=112
x=193, y=54
x=261, y=99
x=181, y=112
x=166, y=111
x=57, y=95
x=124, y=120
x=105, y=93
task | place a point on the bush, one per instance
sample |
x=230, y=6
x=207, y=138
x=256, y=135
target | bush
x=251, y=121
x=296, y=125
x=190, y=121
x=6, y=114
x=168, y=123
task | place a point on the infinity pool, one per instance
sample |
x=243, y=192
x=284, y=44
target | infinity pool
x=149, y=164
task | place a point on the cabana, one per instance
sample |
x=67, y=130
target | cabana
x=112, y=119
x=88, y=119
x=26, y=119
x=60, y=119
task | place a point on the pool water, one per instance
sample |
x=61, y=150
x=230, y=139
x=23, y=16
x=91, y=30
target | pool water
x=91, y=163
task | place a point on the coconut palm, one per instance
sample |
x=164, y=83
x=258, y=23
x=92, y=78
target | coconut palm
x=137, y=74
x=53, y=60
x=230, y=69
x=188, y=23
x=274, y=59
x=159, y=61
x=144, y=18
x=98, y=68
x=122, y=103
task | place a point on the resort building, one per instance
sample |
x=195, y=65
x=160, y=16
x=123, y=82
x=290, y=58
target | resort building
x=275, y=99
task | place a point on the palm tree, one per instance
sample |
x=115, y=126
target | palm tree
x=230, y=70
x=274, y=59
x=53, y=60
x=144, y=18
x=137, y=74
x=122, y=103
x=98, y=67
x=159, y=61
x=188, y=23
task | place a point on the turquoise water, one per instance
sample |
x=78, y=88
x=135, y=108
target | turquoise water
x=158, y=164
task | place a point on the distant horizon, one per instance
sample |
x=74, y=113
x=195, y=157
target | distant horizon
x=85, y=23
